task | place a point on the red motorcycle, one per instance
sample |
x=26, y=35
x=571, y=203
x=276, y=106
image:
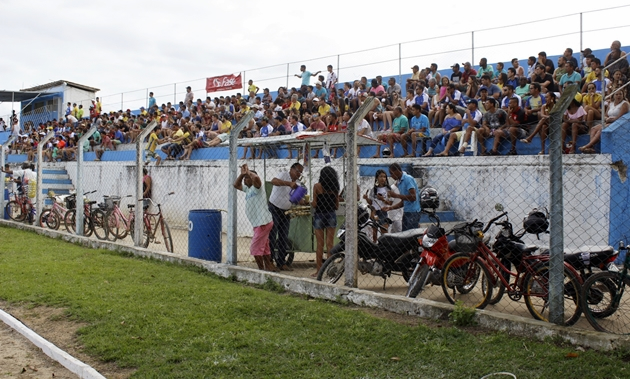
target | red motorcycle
x=435, y=251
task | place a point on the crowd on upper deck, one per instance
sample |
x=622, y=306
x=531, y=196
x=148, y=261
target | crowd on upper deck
x=490, y=102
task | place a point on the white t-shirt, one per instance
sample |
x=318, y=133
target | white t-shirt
x=365, y=125
x=256, y=205
x=395, y=214
x=281, y=195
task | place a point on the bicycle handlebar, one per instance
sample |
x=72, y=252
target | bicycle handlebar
x=151, y=200
x=493, y=221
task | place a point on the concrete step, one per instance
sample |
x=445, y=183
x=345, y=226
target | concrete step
x=46, y=180
x=60, y=191
x=47, y=172
x=57, y=186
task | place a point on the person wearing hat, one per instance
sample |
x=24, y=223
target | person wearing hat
x=415, y=77
x=470, y=122
x=456, y=76
x=320, y=91
x=493, y=123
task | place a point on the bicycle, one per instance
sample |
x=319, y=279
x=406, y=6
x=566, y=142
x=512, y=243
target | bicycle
x=118, y=225
x=462, y=272
x=52, y=217
x=19, y=208
x=70, y=216
x=151, y=222
x=603, y=301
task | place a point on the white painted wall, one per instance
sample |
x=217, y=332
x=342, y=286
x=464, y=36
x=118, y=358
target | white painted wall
x=470, y=187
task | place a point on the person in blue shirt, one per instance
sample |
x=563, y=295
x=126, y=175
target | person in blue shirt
x=418, y=128
x=306, y=75
x=408, y=189
x=320, y=91
x=152, y=101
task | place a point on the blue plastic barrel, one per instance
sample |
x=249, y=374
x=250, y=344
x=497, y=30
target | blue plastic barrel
x=204, y=234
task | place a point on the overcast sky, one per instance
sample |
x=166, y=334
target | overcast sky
x=132, y=46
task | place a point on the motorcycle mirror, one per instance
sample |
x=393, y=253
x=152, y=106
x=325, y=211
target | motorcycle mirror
x=498, y=207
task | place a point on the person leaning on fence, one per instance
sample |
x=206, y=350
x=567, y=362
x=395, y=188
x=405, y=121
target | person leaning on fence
x=408, y=193
x=258, y=215
x=154, y=141
x=279, y=203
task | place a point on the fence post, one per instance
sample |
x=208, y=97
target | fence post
x=287, y=75
x=472, y=36
x=232, y=251
x=399, y=64
x=79, y=215
x=138, y=210
x=351, y=261
x=556, y=237
x=2, y=159
x=39, y=201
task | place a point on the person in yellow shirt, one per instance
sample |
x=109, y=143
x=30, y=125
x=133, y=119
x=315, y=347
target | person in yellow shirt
x=153, y=143
x=323, y=109
x=592, y=103
x=295, y=104
x=79, y=115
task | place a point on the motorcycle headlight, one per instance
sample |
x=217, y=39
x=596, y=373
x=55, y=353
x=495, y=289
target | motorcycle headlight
x=505, y=233
x=428, y=242
x=340, y=232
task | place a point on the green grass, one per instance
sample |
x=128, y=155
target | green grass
x=172, y=321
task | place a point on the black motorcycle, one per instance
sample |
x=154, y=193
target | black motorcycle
x=392, y=253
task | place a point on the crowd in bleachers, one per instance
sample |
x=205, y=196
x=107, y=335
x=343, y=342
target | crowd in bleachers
x=490, y=102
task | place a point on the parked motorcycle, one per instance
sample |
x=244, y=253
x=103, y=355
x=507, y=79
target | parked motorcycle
x=435, y=251
x=392, y=253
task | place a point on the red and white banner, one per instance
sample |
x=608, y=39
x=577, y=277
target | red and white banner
x=224, y=83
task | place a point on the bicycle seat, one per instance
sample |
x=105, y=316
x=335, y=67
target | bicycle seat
x=587, y=256
x=131, y=205
x=91, y=202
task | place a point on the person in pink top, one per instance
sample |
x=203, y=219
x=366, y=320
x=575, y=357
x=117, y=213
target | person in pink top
x=574, y=121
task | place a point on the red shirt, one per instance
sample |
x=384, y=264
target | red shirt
x=333, y=128
x=61, y=144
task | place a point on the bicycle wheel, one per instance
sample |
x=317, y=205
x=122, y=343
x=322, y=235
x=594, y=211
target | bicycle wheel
x=417, y=280
x=332, y=270
x=49, y=220
x=168, y=239
x=613, y=304
x=14, y=210
x=117, y=226
x=145, y=233
x=536, y=295
x=70, y=220
x=472, y=276
x=99, y=224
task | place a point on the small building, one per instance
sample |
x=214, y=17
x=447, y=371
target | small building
x=51, y=103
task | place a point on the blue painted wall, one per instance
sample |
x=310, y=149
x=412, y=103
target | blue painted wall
x=616, y=142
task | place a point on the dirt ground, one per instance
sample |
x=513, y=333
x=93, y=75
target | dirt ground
x=17, y=353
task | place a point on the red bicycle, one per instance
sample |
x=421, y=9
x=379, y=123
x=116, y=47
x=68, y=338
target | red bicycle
x=19, y=208
x=471, y=276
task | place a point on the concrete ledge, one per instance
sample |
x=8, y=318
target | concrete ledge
x=68, y=361
x=515, y=325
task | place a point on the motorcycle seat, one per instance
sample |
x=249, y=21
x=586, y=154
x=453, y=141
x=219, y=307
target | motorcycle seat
x=597, y=249
x=526, y=249
x=587, y=256
x=402, y=240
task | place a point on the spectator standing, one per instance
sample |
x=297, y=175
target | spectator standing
x=325, y=204
x=408, y=189
x=306, y=75
x=331, y=80
x=279, y=203
x=258, y=215
x=188, y=100
x=152, y=101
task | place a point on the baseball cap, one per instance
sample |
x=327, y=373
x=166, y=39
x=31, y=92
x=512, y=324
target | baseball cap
x=472, y=101
x=587, y=51
x=455, y=65
x=466, y=64
x=416, y=66
x=316, y=98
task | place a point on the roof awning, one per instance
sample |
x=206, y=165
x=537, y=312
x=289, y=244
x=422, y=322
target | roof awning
x=17, y=96
x=314, y=139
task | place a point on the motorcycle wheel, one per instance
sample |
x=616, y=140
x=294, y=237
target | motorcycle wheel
x=417, y=280
x=615, y=303
x=332, y=270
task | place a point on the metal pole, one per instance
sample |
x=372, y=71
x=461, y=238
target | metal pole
x=231, y=254
x=8, y=142
x=147, y=102
x=400, y=64
x=174, y=94
x=338, y=70
x=581, y=30
x=556, y=237
x=352, y=256
x=138, y=210
x=39, y=200
x=122, y=102
x=472, y=35
x=79, y=187
x=287, y=79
